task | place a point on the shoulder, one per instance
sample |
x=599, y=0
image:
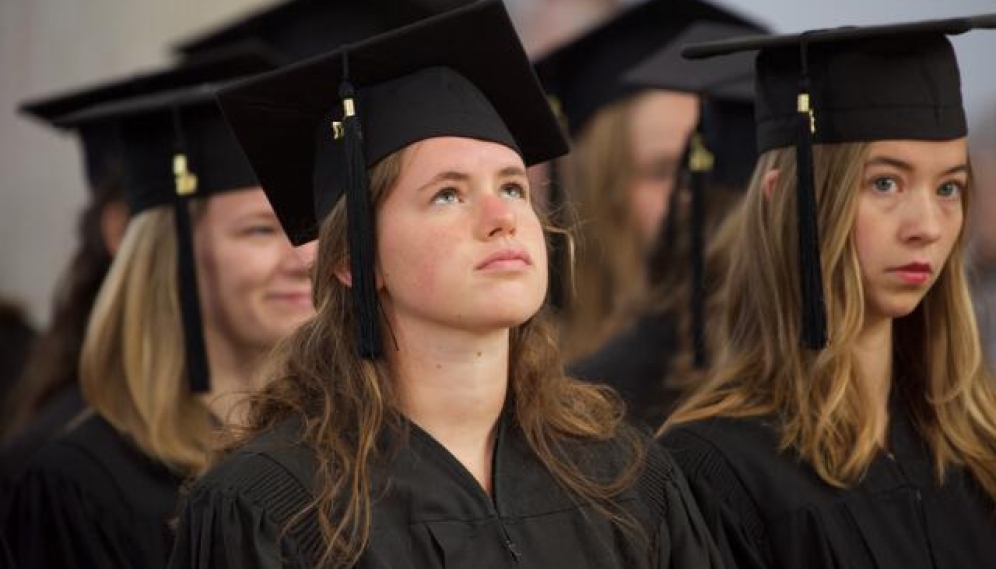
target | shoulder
x=270, y=479
x=102, y=463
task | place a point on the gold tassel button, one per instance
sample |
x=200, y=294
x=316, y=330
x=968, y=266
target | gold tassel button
x=186, y=181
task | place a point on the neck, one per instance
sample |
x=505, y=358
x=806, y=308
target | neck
x=233, y=377
x=453, y=385
x=873, y=351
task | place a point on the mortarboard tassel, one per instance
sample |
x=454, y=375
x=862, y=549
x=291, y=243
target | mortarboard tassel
x=198, y=373
x=700, y=164
x=360, y=226
x=814, y=319
x=559, y=262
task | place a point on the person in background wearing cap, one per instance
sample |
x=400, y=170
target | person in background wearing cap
x=202, y=286
x=47, y=397
x=849, y=421
x=422, y=417
x=664, y=352
x=628, y=148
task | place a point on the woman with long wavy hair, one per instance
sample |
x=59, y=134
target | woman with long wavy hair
x=201, y=288
x=422, y=417
x=848, y=421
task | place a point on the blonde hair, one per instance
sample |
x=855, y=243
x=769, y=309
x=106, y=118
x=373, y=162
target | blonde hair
x=817, y=398
x=132, y=369
x=347, y=403
x=611, y=258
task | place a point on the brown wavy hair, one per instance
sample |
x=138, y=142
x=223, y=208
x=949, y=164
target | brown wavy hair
x=817, y=398
x=347, y=404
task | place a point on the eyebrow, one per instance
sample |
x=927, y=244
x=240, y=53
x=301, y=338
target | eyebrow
x=454, y=176
x=907, y=167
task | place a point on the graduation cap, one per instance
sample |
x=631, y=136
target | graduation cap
x=849, y=84
x=311, y=130
x=297, y=29
x=587, y=74
x=99, y=137
x=174, y=147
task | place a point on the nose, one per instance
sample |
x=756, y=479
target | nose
x=296, y=262
x=922, y=223
x=497, y=216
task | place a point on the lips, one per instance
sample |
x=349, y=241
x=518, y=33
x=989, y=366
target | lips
x=292, y=297
x=913, y=273
x=506, y=259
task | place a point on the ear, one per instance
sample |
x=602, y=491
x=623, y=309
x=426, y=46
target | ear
x=345, y=276
x=114, y=218
x=769, y=182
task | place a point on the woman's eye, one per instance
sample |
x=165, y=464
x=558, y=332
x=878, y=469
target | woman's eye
x=514, y=191
x=445, y=196
x=950, y=189
x=885, y=185
x=260, y=230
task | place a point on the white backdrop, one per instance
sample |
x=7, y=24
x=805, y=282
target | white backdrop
x=51, y=45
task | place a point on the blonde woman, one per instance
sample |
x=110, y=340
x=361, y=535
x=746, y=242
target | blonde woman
x=422, y=418
x=848, y=421
x=102, y=494
x=629, y=142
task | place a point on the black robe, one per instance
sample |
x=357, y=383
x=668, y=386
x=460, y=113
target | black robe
x=91, y=499
x=431, y=513
x=635, y=362
x=768, y=510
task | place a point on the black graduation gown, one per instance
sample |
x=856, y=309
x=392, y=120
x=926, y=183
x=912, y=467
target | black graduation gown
x=634, y=362
x=768, y=510
x=431, y=513
x=91, y=499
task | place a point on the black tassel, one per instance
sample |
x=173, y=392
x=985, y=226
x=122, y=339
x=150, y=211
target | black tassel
x=559, y=261
x=814, y=319
x=700, y=165
x=198, y=373
x=360, y=228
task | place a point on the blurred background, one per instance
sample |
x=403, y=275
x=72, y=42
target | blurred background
x=57, y=45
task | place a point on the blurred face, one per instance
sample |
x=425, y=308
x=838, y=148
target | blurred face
x=909, y=217
x=459, y=244
x=660, y=125
x=254, y=289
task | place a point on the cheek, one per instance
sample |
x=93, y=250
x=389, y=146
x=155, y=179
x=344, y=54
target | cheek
x=411, y=260
x=649, y=201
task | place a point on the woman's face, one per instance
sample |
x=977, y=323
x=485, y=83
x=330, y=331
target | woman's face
x=254, y=289
x=660, y=124
x=459, y=244
x=909, y=216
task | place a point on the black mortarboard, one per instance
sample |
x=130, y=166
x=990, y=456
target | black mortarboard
x=174, y=146
x=99, y=137
x=297, y=29
x=310, y=137
x=850, y=84
x=587, y=74
x=721, y=151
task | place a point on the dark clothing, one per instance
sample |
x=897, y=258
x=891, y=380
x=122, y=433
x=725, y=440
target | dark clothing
x=91, y=499
x=48, y=423
x=767, y=509
x=635, y=362
x=430, y=512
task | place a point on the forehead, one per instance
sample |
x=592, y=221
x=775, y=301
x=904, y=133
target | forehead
x=457, y=154
x=924, y=155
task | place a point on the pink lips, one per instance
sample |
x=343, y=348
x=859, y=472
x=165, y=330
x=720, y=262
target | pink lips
x=296, y=298
x=913, y=273
x=505, y=260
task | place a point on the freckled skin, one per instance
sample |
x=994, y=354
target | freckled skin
x=430, y=249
